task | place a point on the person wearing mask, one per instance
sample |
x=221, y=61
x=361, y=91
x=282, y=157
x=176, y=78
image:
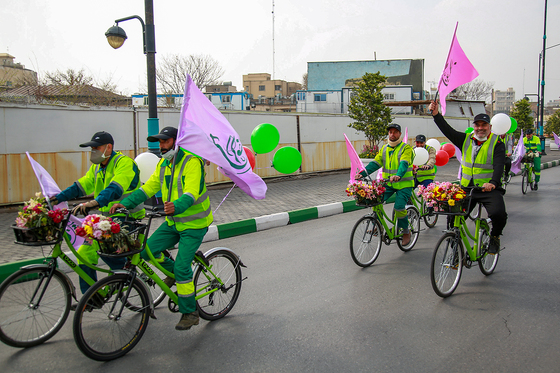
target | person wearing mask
x=180, y=177
x=111, y=177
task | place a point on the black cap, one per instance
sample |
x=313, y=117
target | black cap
x=100, y=138
x=529, y=131
x=394, y=125
x=164, y=134
x=421, y=138
x=482, y=117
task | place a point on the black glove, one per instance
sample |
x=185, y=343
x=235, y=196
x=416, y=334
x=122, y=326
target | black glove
x=54, y=201
x=83, y=208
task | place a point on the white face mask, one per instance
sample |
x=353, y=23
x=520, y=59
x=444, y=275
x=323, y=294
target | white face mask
x=481, y=138
x=169, y=154
x=98, y=156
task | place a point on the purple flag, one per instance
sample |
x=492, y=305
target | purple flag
x=204, y=131
x=458, y=70
x=405, y=137
x=356, y=164
x=50, y=188
x=459, y=157
x=517, y=155
x=556, y=140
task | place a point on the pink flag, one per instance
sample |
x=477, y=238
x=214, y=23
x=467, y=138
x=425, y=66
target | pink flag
x=556, y=139
x=517, y=155
x=458, y=70
x=204, y=131
x=50, y=188
x=405, y=137
x=356, y=165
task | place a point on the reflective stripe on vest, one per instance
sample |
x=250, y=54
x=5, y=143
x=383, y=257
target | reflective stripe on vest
x=482, y=169
x=429, y=174
x=389, y=169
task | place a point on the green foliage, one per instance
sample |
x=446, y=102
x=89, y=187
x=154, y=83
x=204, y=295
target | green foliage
x=522, y=114
x=553, y=124
x=369, y=152
x=367, y=109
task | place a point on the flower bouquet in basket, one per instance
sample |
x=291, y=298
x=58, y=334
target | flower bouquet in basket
x=111, y=237
x=443, y=196
x=36, y=223
x=366, y=194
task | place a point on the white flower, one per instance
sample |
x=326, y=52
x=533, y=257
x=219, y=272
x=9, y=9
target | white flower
x=105, y=225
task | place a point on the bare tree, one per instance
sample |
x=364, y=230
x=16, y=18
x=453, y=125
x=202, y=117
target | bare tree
x=172, y=72
x=304, y=82
x=478, y=89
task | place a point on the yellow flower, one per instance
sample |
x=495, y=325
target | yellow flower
x=362, y=193
x=460, y=196
x=451, y=202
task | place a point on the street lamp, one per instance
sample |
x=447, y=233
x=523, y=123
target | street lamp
x=116, y=37
x=540, y=117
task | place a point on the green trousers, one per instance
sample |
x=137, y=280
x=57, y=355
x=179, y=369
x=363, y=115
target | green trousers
x=537, y=165
x=401, y=199
x=189, y=240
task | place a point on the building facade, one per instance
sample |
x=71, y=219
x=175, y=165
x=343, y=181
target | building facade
x=503, y=101
x=13, y=74
x=260, y=85
x=221, y=100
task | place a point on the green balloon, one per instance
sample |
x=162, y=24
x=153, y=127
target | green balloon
x=513, y=125
x=443, y=143
x=286, y=160
x=469, y=130
x=264, y=138
x=435, y=169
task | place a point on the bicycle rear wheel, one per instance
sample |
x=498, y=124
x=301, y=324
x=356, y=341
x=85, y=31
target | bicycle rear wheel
x=413, y=226
x=25, y=321
x=487, y=262
x=224, y=274
x=365, y=241
x=524, y=182
x=447, y=265
x=106, y=328
x=430, y=218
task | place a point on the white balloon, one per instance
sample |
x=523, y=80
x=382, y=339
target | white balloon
x=434, y=143
x=147, y=163
x=501, y=123
x=421, y=156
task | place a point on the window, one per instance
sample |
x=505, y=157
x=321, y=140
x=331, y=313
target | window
x=226, y=99
x=261, y=88
x=301, y=96
x=277, y=87
x=320, y=97
x=389, y=96
x=145, y=100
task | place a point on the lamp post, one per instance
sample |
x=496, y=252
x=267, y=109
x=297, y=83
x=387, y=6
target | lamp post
x=116, y=37
x=540, y=118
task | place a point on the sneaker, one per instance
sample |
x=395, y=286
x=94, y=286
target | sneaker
x=187, y=320
x=169, y=281
x=406, y=238
x=494, y=246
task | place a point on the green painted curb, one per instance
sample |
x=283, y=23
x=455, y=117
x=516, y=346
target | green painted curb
x=9, y=268
x=348, y=206
x=237, y=228
x=298, y=216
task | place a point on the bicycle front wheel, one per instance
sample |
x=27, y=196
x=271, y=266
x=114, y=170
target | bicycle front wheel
x=365, y=241
x=32, y=308
x=430, y=218
x=524, y=182
x=158, y=295
x=486, y=262
x=447, y=265
x=414, y=228
x=223, y=280
x=106, y=328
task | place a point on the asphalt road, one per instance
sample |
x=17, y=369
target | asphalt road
x=306, y=307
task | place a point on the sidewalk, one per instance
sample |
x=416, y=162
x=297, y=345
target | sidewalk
x=288, y=200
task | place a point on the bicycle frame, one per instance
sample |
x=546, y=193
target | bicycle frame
x=530, y=169
x=460, y=224
x=381, y=216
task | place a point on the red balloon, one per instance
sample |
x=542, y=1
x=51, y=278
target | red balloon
x=441, y=158
x=250, y=157
x=449, y=148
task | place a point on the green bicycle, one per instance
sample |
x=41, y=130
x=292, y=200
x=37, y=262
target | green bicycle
x=35, y=300
x=449, y=256
x=528, y=175
x=430, y=218
x=372, y=230
x=113, y=314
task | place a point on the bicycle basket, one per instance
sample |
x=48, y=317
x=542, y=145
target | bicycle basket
x=124, y=243
x=443, y=207
x=37, y=236
x=369, y=202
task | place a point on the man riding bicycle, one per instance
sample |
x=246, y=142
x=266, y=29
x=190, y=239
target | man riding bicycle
x=533, y=148
x=425, y=173
x=187, y=206
x=395, y=158
x=482, y=165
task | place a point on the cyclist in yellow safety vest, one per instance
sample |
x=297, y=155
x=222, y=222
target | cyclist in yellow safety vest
x=533, y=146
x=482, y=165
x=188, y=213
x=111, y=177
x=425, y=173
x=395, y=158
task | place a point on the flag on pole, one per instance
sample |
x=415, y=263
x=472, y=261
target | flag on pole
x=405, y=137
x=204, y=131
x=460, y=158
x=50, y=188
x=556, y=139
x=517, y=155
x=356, y=165
x=458, y=70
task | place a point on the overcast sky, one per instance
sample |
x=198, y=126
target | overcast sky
x=502, y=38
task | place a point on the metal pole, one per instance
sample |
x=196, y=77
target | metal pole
x=541, y=124
x=150, y=50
